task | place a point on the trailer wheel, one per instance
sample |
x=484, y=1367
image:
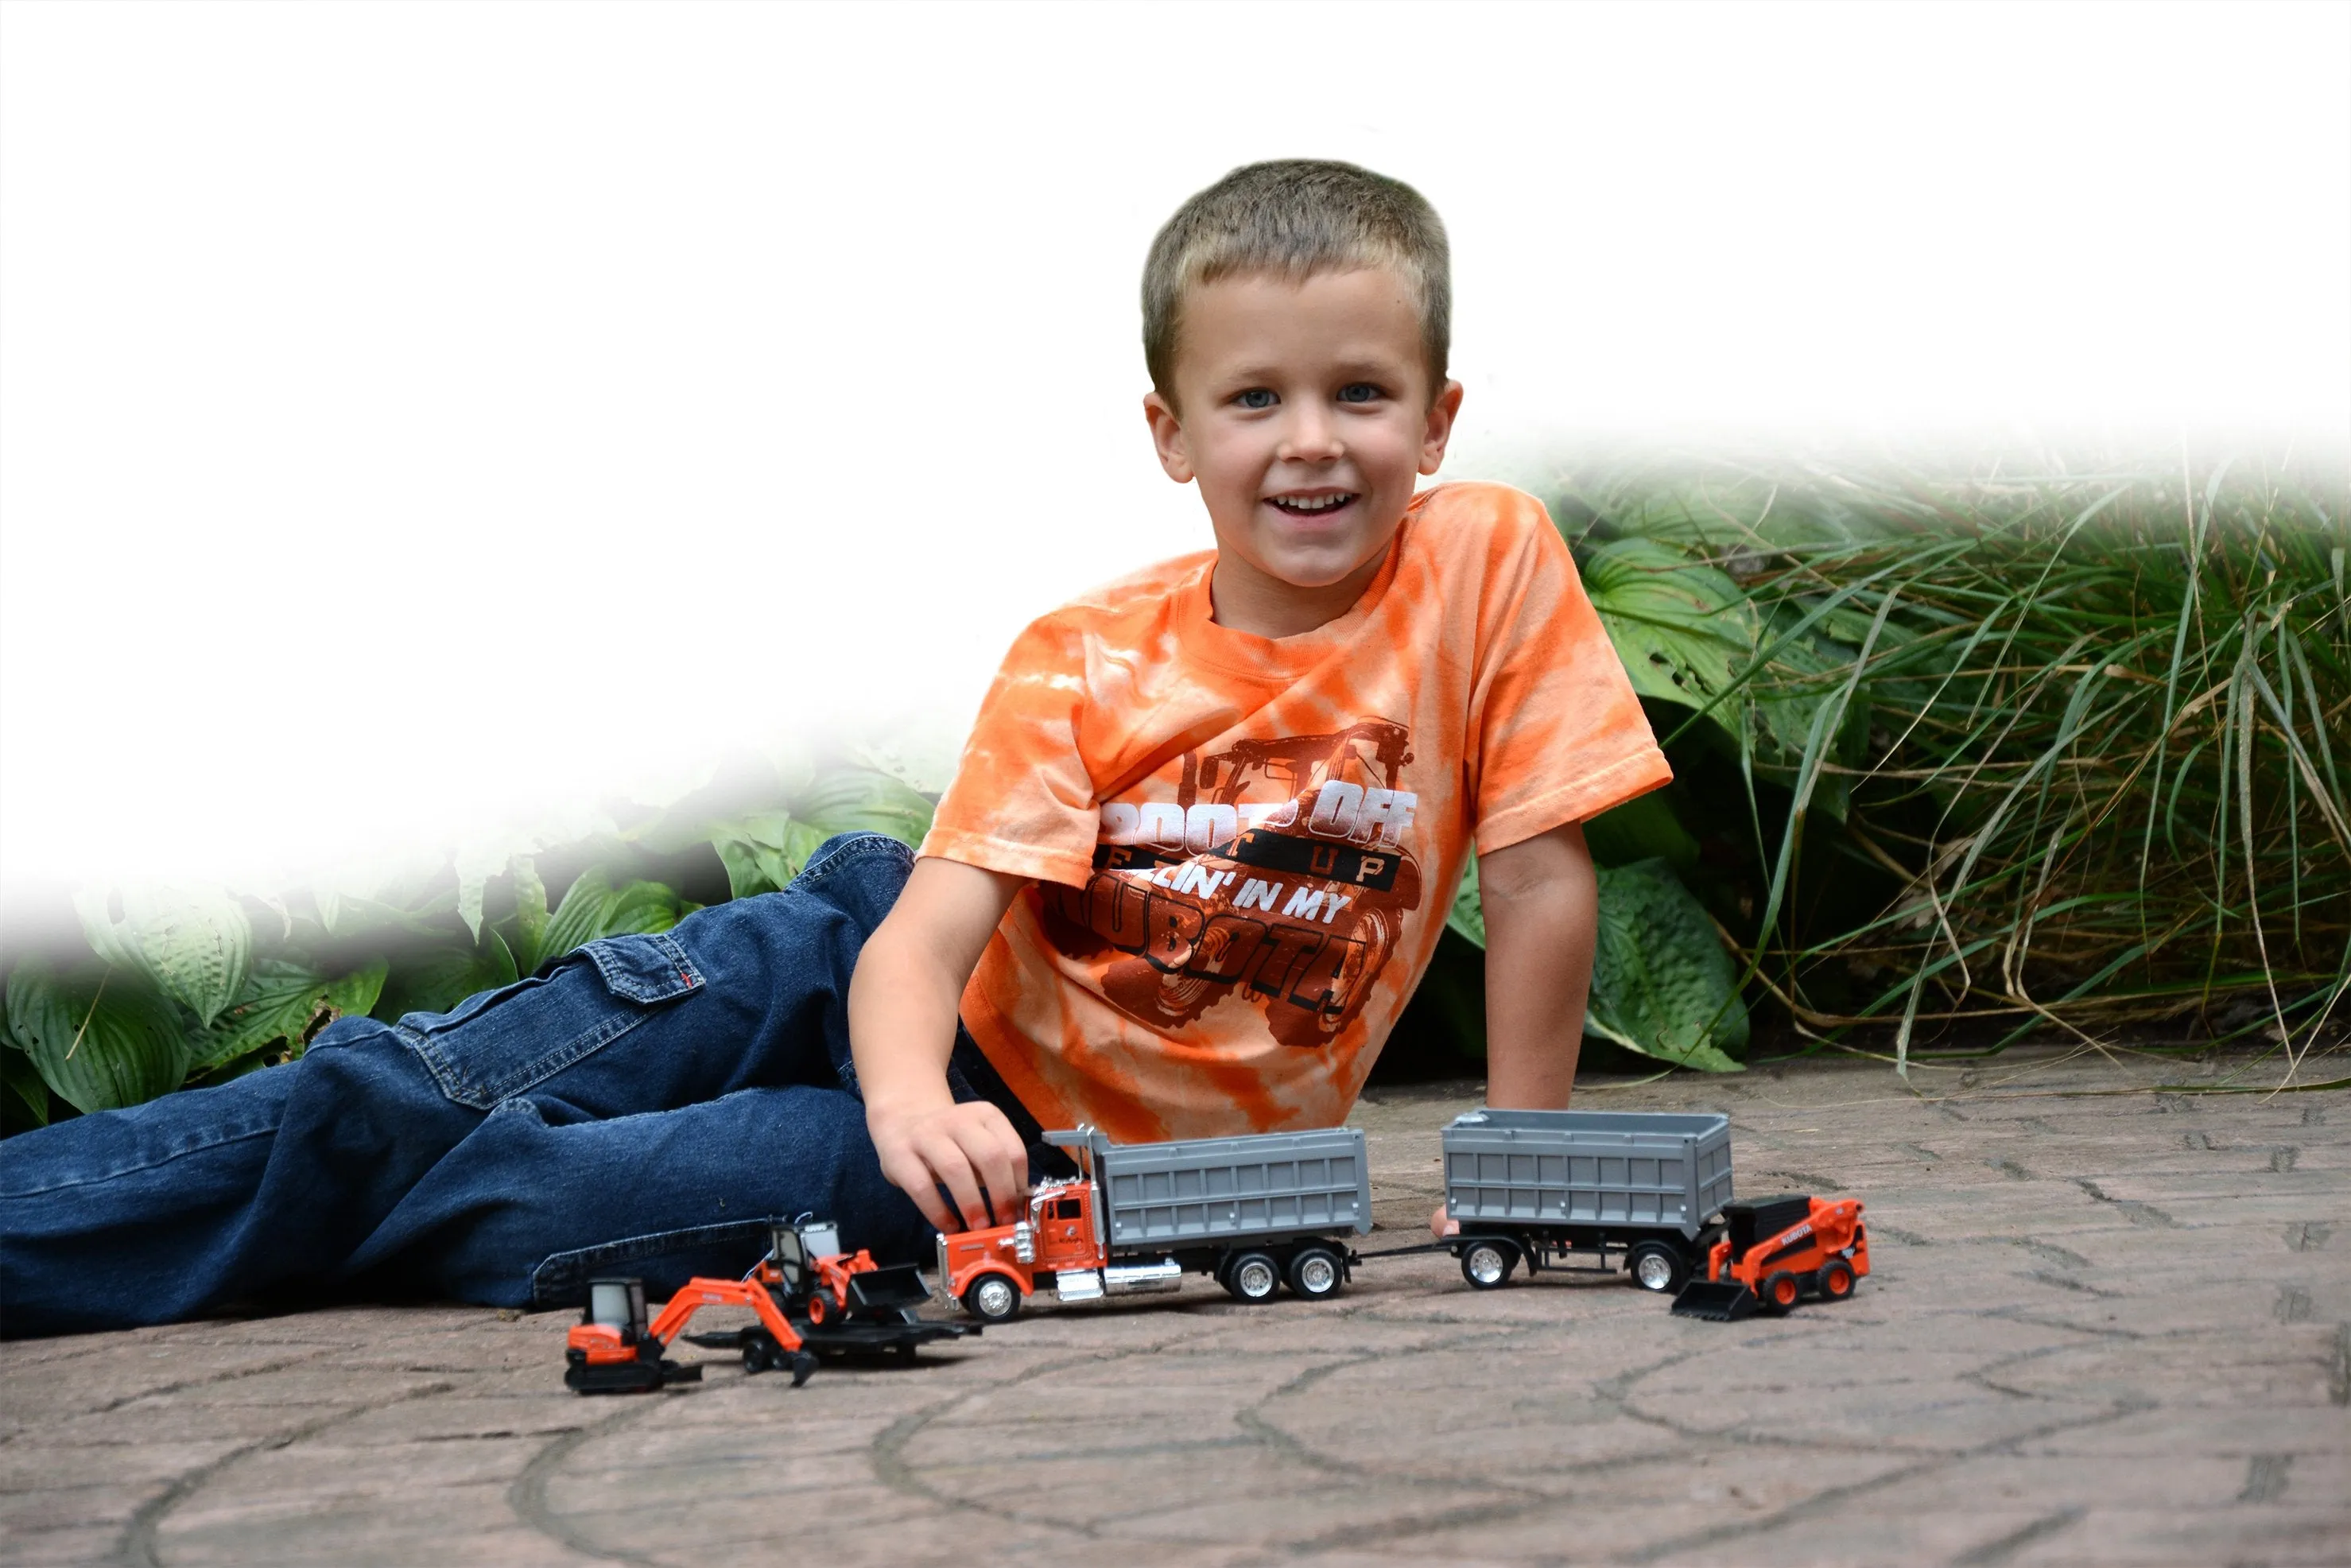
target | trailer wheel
x=1834, y=1281
x=992, y=1299
x=1487, y=1265
x=1252, y=1277
x=1657, y=1266
x=1780, y=1292
x=1315, y=1272
x=759, y=1353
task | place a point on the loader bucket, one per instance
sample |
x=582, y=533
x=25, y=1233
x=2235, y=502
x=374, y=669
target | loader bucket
x=900, y=1285
x=1716, y=1300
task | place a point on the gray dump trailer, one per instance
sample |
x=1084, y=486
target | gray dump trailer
x=1545, y=1187
x=1255, y=1212
x=1233, y=1207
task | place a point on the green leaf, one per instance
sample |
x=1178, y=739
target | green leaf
x=22, y=1082
x=592, y=908
x=279, y=1004
x=1661, y=983
x=1467, y=916
x=194, y=944
x=1807, y=674
x=531, y=914
x=1682, y=631
x=1644, y=828
x=286, y=1004
x=354, y=995
x=100, y=1039
x=437, y=980
x=861, y=800
x=763, y=852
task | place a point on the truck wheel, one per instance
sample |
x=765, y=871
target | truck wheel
x=992, y=1299
x=1487, y=1265
x=1780, y=1292
x=1657, y=1266
x=1834, y=1281
x=1315, y=1272
x=1252, y=1278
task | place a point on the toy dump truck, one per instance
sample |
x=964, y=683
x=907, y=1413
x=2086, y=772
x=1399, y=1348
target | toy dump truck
x=1254, y=1212
x=1775, y=1252
x=1538, y=1188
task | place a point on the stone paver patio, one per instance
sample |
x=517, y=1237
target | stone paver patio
x=2104, y=1327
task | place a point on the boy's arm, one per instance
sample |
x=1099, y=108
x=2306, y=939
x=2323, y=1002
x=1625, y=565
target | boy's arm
x=903, y=1002
x=1543, y=919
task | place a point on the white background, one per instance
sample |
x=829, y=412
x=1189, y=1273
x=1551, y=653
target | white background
x=415, y=419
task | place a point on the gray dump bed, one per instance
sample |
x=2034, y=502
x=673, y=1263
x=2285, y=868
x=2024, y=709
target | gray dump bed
x=1209, y=1191
x=1637, y=1169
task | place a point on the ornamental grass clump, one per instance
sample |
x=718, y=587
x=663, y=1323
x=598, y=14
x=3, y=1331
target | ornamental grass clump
x=2059, y=752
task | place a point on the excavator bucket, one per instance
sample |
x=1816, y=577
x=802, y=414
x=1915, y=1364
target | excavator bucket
x=1716, y=1300
x=900, y=1285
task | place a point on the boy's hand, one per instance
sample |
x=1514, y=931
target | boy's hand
x=1440, y=1226
x=970, y=1150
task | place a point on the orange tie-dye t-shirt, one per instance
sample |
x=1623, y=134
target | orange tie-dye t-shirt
x=1244, y=847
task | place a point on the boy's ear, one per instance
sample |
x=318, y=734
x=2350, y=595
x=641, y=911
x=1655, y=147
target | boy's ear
x=1443, y=409
x=1168, y=436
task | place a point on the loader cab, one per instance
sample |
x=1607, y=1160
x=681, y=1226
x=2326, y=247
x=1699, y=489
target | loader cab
x=794, y=1249
x=1760, y=1220
x=618, y=1305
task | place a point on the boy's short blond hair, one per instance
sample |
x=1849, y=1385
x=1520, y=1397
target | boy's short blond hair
x=1295, y=218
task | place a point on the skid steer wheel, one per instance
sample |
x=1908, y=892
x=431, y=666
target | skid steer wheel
x=992, y=1299
x=1487, y=1265
x=1834, y=1281
x=1656, y=1266
x=1252, y=1278
x=1315, y=1272
x=1780, y=1292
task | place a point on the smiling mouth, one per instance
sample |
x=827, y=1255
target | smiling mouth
x=1321, y=506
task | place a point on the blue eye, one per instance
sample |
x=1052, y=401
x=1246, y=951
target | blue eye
x=1256, y=397
x=1359, y=392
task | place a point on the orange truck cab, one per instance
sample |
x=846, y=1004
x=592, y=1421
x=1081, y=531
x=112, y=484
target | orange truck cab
x=1256, y=1212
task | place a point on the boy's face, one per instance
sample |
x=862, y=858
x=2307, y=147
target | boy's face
x=1306, y=416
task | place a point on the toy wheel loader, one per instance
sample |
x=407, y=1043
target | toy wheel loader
x=810, y=1297
x=1773, y=1253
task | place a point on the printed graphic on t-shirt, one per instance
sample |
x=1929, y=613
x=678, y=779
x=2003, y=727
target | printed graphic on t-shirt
x=1281, y=871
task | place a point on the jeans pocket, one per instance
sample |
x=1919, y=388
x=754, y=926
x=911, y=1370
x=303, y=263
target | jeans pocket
x=497, y=1044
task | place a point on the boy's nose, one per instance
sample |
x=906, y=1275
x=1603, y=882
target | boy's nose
x=1311, y=436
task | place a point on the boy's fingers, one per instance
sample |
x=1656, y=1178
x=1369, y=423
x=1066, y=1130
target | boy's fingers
x=1008, y=1166
x=986, y=1152
x=910, y=1175
x=952, y=1168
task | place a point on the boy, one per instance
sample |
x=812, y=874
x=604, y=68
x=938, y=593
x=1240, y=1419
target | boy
x=1223, y=801
x=1197, y=853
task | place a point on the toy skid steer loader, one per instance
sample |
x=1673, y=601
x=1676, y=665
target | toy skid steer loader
x=1775, y=1252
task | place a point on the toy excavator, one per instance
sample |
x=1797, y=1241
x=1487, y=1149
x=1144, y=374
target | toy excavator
x=1775, y=1251
x=811, y=1299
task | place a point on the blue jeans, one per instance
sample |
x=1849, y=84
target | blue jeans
x=644, y=1105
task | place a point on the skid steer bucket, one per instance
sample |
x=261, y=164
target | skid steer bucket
x=1716, y=1300
x=900, y=1285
